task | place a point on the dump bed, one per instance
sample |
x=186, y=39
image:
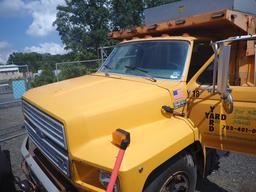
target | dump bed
x=215, y=25
x=187, y=8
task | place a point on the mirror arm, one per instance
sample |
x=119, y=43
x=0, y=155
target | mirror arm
x=215, y=49
x=170, y=110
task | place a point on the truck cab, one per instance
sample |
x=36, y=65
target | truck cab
x=159, y=85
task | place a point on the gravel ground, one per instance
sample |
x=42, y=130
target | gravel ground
x=237, y=172
x=11, y=123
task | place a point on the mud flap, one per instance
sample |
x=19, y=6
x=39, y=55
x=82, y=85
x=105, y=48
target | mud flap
x=212, y=161
x=6, y=175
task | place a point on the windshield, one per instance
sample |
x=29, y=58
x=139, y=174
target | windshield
x=158, y=59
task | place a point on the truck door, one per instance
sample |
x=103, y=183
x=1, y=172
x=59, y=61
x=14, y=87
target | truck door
x=217, y=129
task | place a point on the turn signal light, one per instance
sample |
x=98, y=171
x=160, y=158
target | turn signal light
x=121, y=138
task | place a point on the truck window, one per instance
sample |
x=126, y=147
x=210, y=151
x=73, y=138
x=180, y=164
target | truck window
x=161, y=59
x=241, y=68
x=202, y=51
x=206, y=77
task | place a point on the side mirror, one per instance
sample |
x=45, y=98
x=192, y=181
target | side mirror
x=222, y=61
x=223, y=69
x=222, y=56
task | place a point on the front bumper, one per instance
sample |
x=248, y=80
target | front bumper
x=36, y=173
x=44, y=177
x=44, y=180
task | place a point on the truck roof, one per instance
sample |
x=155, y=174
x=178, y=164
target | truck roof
x=214, y=25
x=163, y=37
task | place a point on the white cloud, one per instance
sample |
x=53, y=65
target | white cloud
x=52, y=48
x=44, y=14
x=5, y=51
x=4, y=44
x=4, y=55
x=11, y=7
x=3, y=58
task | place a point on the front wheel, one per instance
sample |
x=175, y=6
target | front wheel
x=180, y=176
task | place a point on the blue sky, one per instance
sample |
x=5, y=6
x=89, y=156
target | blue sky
x=26, y=26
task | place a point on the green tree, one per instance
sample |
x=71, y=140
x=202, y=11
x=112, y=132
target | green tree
x=72, y=70
x=33, y=60
x=46, y=77
x=37, y=61
x=153, y=3
x=84, y=55
x=126, y=14
x=83, y=25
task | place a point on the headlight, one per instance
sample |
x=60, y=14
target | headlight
x=104, y=178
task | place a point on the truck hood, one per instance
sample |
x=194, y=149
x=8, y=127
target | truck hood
x=93, y=106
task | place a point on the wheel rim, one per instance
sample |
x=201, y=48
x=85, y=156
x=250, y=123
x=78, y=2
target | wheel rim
x=177, y=182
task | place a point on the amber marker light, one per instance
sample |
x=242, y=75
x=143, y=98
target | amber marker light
x=121, y=138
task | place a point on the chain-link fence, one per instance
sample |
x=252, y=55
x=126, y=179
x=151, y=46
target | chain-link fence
x=14, y=81
x=105, y=52
x=67, y=70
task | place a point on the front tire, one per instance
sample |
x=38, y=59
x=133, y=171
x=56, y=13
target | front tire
x=180, y=176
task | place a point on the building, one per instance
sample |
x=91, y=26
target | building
x=8, y=72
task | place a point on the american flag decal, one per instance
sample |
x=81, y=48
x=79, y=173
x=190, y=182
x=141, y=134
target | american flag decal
x=178, y=94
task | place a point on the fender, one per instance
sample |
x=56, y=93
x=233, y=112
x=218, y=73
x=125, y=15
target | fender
x=151, y=145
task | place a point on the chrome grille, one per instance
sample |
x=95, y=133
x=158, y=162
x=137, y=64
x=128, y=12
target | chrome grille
x=48, y=135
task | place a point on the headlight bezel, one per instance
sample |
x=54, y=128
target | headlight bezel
x=104, y=178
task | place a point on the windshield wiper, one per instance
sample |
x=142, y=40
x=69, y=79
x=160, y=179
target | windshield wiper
x=141, y=70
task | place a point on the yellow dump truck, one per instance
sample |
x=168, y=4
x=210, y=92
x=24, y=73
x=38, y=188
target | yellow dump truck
x=177, y=89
